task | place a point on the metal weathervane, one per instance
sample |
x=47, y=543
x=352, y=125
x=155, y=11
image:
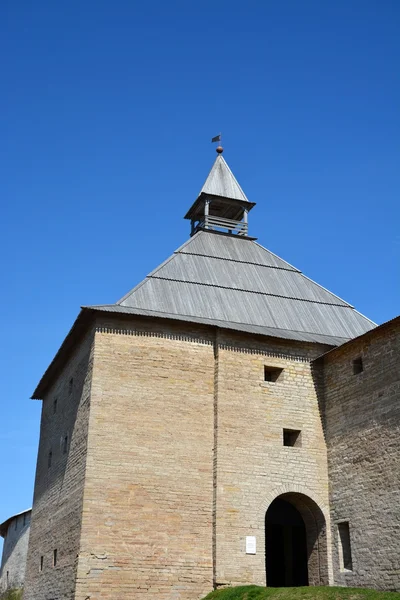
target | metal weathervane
x=218, y=138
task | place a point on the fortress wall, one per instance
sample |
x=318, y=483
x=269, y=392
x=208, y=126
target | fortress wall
x=147, y=512
x=362, y=415
x=253, y=465
x=58, y=495
x=182, y=453
x=15, y=549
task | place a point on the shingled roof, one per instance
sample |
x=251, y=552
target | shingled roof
x=234, y=282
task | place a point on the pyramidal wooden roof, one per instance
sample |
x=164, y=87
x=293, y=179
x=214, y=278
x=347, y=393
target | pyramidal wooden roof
x=229, y=281
x=222, y=182
x=235, y=283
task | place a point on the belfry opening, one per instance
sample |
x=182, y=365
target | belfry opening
x=295, y=542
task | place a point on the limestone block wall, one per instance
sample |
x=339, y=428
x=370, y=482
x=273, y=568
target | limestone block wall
x=15, y=549
x=166, y=451
x=148, y=501
x=60, y=472
x=253, y=466
x=362, y=423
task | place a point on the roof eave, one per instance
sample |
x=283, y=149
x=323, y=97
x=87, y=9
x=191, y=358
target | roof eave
x=193, y=211
x=268, y=332
x=355, y=340
x=85, y=318
x=78, y=329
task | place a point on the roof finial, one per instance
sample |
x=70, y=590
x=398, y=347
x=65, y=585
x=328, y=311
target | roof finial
x=218, y=138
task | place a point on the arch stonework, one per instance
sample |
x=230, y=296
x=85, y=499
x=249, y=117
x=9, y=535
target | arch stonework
x=292, y=489
x=316, y=517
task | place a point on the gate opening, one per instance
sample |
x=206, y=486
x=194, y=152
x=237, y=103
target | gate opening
x=285, y=546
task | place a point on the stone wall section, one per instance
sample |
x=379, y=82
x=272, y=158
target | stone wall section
x=175, y=463
x=253, y=466
x=362, y=423
x=58, y=495
x=15, y=549
x=147, y=511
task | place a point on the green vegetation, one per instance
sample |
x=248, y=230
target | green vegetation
x=12, y=595
x=254, y=592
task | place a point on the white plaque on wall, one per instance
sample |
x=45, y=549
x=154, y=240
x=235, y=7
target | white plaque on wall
x=250, y=544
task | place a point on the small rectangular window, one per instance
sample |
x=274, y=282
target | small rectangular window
x=272, y=374
x=357, y=366
x=65, y=445
x=54, y=557
x=346, y=563
x=41, y=564
x=70, y=385
x=55, y=406
x=49, y=459
x=292, y=437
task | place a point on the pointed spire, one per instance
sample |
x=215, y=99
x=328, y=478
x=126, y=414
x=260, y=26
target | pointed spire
x=222, y=182
x=221, y=204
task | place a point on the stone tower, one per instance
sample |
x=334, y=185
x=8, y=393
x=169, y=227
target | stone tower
x=181, y=444
x=15, y=531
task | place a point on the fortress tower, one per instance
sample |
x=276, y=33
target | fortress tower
x=182, y=445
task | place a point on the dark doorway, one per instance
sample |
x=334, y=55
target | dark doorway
x=285, y=546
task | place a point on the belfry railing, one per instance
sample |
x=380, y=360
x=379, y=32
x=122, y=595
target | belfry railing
x=210, y=222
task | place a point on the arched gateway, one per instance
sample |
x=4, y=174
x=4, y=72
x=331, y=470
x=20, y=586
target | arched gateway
x=295, y=542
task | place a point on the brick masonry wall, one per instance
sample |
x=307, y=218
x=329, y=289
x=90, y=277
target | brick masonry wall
x=362, y=422
x=253, y=466
x=176, y=463
x=15, y=549
x=147, y=513
x=58, y=496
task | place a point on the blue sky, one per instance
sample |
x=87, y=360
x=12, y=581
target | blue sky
x=106, y=115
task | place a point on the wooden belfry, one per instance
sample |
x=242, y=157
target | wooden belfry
x=221, y=205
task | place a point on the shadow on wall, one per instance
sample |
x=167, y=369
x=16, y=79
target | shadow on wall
x=317, y=373
x=62, y=433
x=58, y=498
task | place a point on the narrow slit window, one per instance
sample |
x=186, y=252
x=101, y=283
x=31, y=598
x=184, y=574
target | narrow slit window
x=292, y=437
x=65, y=445
x=346, y=563
x=41, y=564
x=272, y=374
x=70, y=385
x=55, y=557
x=49, y=459
x=55, y=406
x=358, y=366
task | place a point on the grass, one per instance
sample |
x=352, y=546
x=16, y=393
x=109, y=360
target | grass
x=12, y=595
x=254, y=592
